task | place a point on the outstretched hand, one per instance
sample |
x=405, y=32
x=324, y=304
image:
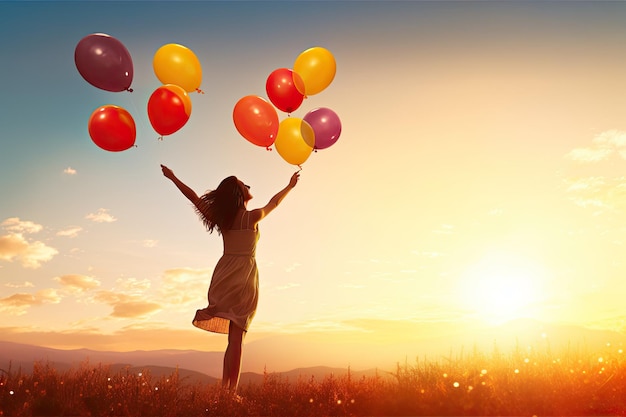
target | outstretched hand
x=167, y=172
x=294, y=179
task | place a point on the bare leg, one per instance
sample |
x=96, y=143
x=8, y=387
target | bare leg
x=232, y=358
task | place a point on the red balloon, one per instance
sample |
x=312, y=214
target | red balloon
x=284, y=88
x=112, y=128
x=104, y=62
x=169, y=108
x=256, y=120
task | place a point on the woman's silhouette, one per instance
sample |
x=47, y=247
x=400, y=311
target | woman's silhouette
x=233, y=292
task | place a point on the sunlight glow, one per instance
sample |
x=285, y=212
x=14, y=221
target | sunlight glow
x=502, y=287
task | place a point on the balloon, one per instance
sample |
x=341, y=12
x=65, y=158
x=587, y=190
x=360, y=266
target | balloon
x=284, y=89
x=104, y=62
x=169, y=108
x=317, y=68
x=112, y=128
x=256, y=120
x=295, y=140
x=178, y=65
x=326, y=125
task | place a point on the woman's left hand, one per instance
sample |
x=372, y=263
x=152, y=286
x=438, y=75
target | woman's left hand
x=294, y=179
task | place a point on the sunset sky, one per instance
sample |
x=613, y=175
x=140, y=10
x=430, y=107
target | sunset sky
x=480, y=175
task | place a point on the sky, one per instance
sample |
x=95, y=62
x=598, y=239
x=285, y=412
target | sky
x=479, y=176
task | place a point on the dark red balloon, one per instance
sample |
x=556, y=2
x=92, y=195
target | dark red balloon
x=284, y=88
x=112, y=128
x=104, y=62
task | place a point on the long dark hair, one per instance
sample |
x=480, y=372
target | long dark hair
x=217, y=208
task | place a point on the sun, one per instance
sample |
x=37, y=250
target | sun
x=502, y=286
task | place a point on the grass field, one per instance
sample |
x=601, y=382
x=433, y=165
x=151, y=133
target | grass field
x=523, y=382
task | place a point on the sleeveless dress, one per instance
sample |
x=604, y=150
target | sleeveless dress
x=234, y=289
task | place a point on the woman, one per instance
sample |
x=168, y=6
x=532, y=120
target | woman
x=233, y=293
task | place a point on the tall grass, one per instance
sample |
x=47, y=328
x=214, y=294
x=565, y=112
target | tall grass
x=525, y=381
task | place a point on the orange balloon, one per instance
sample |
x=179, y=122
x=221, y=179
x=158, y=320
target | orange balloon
x=169, y=108
x=112, y=128
x=256, y=120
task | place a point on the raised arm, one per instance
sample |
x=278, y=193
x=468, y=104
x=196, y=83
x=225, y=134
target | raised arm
x=258, y=214
x=186, y=190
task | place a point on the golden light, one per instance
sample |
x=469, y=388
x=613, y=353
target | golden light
x=502, y=287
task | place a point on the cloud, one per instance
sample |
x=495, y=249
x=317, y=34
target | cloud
x=287, y=286
x=70, y=232
x=602, y=147
x=78, y=283
x=30, y=254
x=293, y=267
x=184, y=286
x=599, y=193
x=17, y=304
x=150, y=243
x=69, y=171
x=101, y=216
x=127, y=306
x=15, y=225
x=25, y=284
x=133, y=285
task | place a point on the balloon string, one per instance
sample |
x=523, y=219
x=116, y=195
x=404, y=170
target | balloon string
x=199, y=91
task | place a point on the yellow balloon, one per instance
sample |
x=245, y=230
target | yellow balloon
x=176, y=64
x=316, y=66
x=295, y=140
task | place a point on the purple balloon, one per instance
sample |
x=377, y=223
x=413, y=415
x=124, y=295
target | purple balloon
x=104, y=62
x=326, y=126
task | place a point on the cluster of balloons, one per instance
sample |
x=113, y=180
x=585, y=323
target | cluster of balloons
x=180, y=72
x=257, y=120
x=105, y=63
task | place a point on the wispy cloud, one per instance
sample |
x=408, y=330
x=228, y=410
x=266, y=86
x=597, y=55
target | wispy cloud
x=287, y=286
x=293, y=267
x=14, y=246
x=184, y=286
x=599, y=190
x=150, y=243
x=17, y=304
x=77, y=283
x=70, y=232
x=25, y=284
x=102, y=215
x=127, y=306
x=602, y=146
x=599, y=193
x=15, y=225
x=69, y=171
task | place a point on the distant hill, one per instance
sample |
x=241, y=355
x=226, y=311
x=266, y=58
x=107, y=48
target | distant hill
x=16, y=356
x=318, y=355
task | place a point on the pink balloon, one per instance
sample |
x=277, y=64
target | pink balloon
x=326, y=126
x=104, y=62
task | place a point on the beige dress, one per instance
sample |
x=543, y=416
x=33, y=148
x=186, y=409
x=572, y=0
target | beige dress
x=234, y=290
